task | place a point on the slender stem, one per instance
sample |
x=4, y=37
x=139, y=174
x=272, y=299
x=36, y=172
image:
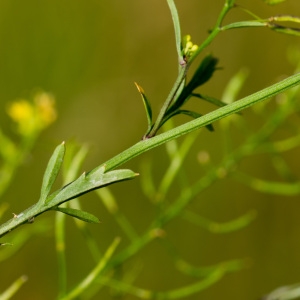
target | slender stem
x=61, y=254
x=146, y=145
x=88, y=280
x=217, y=28
x=209, y=118
x=184, y=68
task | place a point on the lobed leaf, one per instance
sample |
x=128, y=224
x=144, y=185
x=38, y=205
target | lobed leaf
x=88, y=182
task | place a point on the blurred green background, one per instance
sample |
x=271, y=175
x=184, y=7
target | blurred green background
x=88, y=54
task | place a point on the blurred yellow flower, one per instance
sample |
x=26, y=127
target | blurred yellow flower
x=45, y=105
x=33, y=117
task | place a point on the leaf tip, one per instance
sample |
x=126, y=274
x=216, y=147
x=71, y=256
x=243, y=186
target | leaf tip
x=140, y=89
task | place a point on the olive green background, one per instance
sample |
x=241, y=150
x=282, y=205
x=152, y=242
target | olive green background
x=88, y=54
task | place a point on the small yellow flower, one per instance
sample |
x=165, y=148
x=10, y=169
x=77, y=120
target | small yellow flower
x=187, y=47
x=33, y=117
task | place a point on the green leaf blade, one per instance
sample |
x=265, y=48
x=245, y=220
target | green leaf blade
x=176, y=24
x=79, y=214
x=52, y=170
x=209, y=99
x=189, y=113
x=203, y=73
x=88, y=182
x=147, y=106
x=273, y=2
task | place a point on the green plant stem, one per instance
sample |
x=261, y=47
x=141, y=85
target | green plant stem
x=145, y=145
x=9, y=293
x=209, y=118
x=184, y=67
x=176, y=24
x=60, y=250
x=86, y=282
x=226, y=166
x=179, y=80
x=175, y=209
x=176, y=163
x=178, y=293
x=214, y=32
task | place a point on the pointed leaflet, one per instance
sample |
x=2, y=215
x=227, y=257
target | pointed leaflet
x=203, y=73
x=88, y=182
x=79, y=214
x=147, y=106
x=52, y=170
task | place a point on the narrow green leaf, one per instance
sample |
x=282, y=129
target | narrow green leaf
x=176, y=24
x=273, y=24
x=79, y=214
x=209, y=118
x=195, y=115
x=52, y=170
x=273, y=2
x=147, y=106
x=192, y=114
x=285, y=30
x=209, y=99
x=88, y=182
x=202, y=75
